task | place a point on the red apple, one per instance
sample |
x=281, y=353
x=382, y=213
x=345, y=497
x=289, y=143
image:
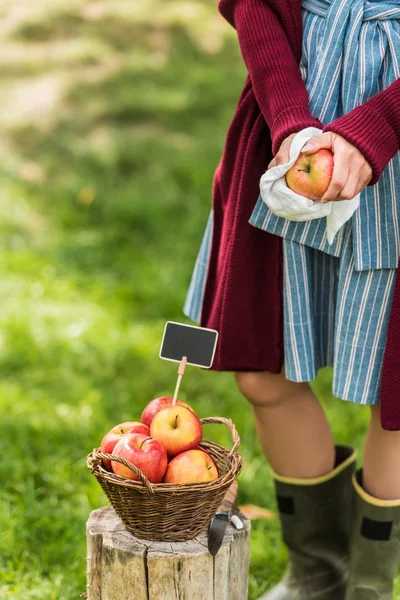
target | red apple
x=193, y=466
x=311, y=174
x=146, y=454
x=156, y=405
x=114, y=435
x=177, y=428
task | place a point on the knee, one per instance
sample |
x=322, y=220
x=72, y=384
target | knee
x=266, y=390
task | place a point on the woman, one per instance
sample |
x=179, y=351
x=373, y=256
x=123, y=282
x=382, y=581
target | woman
x=286, y=303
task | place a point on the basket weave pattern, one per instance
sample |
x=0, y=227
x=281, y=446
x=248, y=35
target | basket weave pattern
x=169, y=512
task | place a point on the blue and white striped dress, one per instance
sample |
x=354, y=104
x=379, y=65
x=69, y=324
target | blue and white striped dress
x=337, y=298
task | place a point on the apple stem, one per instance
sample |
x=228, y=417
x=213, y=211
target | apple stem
x=181, y=371
x=144, y=441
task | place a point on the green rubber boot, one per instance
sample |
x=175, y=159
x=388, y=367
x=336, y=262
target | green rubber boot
x=374, y=546
x=316, y=518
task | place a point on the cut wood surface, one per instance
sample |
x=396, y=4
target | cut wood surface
x=123, y=567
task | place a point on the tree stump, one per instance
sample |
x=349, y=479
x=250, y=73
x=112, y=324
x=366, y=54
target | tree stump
x=123, y=567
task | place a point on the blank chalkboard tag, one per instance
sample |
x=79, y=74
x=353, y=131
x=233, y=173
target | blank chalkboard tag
x=197, y=344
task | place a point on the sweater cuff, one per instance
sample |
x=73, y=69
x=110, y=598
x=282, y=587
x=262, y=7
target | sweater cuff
x=371, y=134
x=291, y=120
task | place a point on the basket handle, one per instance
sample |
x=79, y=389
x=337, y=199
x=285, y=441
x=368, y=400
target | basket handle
x=126, y=463
x=230, y=426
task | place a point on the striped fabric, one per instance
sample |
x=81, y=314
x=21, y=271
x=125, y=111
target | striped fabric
x=195, y=295
x=351, y=51
x=336, y=316
x=337, y=298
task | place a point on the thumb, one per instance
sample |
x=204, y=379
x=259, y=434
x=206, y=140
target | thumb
x=317, y=142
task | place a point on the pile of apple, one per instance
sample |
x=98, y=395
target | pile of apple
x=164, y=445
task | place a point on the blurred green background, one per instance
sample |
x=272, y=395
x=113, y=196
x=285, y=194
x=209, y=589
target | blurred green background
x=113, y=120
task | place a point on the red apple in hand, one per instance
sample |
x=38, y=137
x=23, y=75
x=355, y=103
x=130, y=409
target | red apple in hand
x=177, y=428
x=146, y=454
x=114, y=435
x=193, y=466
x=311, y=174
x=156, y=405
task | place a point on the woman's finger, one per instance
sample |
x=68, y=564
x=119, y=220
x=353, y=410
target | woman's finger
x=339, y=179
x=283, y=155
x=357, y=182
x=366, y=174
x=364, y=178
x=350, y=190
x=317, y=142
x=280, y=159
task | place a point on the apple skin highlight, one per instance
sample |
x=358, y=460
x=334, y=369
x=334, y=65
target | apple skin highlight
x=156, y=405
x=146, y=454
x=193, y=466
x=311, y=174
x=113, y=436
x=177, y=428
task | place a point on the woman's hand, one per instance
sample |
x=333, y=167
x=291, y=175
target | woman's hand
x=282, y=156
x=351, y=172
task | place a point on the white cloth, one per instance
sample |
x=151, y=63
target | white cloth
x=285, y=203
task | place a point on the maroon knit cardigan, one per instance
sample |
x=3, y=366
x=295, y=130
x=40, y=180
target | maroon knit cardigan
x=244, y=294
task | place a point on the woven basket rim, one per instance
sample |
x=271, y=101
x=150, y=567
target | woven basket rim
x=94, y=463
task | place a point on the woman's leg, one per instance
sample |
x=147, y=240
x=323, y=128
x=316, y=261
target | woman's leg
x=375, y=541
x=313, y=497
x=381, y=469
x=290, y=423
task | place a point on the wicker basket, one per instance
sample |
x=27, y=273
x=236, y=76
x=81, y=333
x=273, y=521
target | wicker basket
x=169, y=512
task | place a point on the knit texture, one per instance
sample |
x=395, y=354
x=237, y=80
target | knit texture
x=272, y=63
x=390, y=386
x=374, y=128
x=243, y=298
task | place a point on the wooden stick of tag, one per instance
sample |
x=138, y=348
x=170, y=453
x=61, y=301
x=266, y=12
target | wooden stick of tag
x=181, y=371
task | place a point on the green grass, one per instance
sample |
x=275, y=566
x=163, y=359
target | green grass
x=114, y=117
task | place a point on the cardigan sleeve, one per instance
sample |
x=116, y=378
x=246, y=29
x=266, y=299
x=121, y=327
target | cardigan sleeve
x=373, y=128
x=271, y=63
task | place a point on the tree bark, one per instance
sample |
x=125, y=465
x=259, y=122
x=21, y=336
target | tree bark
x=122, y=567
